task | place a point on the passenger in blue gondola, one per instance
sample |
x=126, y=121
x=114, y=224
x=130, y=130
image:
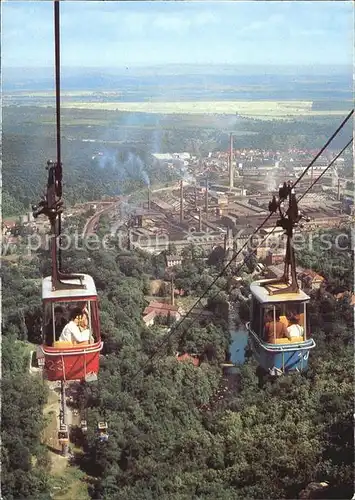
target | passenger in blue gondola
x=274, y=327
x=59, y=324
x=76, y=331
x=294, y=329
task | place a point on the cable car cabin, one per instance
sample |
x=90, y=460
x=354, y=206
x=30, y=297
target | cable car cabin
x=71, y=330
x=102, y=428
x=279, y=329
x=63, y=435
x=84, y=426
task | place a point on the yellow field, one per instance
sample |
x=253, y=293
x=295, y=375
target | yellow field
x=255, y=109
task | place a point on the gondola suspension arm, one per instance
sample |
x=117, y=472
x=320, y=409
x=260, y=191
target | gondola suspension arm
x=52, y=203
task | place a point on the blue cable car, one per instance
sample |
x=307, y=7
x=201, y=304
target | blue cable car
x=278, y=355
x=102, y=429
x=279, y=331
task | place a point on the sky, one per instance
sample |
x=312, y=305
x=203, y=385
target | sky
x=128, y=34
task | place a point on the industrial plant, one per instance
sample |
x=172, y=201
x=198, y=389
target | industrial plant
x=219, y=201
x=223, y=198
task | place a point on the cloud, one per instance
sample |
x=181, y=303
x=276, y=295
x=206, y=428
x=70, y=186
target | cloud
x=181, y=23
x=113, y=33
x=271, y=22
x=206, y=18
x=310, y=32
x=171, y=23
x=254, y=26
x=276, y=19
x=141, y=23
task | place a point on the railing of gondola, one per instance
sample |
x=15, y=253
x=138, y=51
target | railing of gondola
x=282, y=347
x=73, y=351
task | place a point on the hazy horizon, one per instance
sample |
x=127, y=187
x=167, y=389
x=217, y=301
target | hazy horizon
x=190, y=67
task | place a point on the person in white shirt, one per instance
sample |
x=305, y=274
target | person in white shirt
x=73, y=332
x=294, y=329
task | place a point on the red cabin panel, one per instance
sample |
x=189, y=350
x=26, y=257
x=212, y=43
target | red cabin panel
x=72, y=364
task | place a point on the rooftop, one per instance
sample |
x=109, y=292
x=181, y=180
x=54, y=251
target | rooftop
x=187, y=357
x=160, y=308
x=163, y=205
x=173, y=257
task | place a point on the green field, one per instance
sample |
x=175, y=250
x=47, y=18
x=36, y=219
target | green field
x=51, y=93
x=252, y=109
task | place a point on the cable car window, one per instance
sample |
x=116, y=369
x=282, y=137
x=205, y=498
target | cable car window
x=85, y=307
x=57, y=316
x=95, y=321
x=293, y=308
x=48, y=324
x=296, y=319
x=47, y=313
x=271, y=323
x=54, y=321
x=256, y=316
x=295, y=313
x=307, y=326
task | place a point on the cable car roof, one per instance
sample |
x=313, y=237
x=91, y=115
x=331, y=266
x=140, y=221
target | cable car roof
x=89, y=289
x=262, y=295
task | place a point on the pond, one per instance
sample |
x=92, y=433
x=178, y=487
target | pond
x=239, y=341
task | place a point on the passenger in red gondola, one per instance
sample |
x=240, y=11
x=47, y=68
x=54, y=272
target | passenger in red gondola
x=294, y=329
x=85, y=315
x=84, y=320
x=59, y=324
x=274, y=329
x=76, y=331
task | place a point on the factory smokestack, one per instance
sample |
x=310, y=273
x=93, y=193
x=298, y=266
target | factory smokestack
x=231, y=171
x=195, y=197
x=338, y=191
x=181, y=202
x=199, y=221
x=206, y=200
x=148, y=198
x=172, y=295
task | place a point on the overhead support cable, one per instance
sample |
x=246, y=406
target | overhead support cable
x=324, y=171
x=346, y=119
x=57, y=100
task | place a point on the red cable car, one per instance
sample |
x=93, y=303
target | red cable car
x=71, y=333
x=68, y=359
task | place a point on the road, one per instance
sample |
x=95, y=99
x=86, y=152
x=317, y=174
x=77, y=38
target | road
x=92, y=221
x=170, y=188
